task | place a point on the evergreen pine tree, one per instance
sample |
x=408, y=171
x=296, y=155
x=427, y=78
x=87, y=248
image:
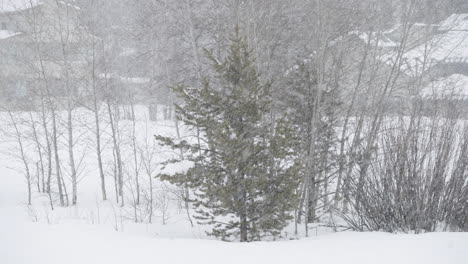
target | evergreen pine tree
x=244, y=178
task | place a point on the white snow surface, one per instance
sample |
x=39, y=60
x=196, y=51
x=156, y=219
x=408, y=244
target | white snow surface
x=377, y=39
x=449, y=47
x=77, y=243
x=455, y=22
x=98, y=232
x=4, y=34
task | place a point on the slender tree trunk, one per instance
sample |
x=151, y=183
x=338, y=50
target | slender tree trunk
x=57, y=159
x=40, y=164
x=49, y=152
x=151, y=201
x=71, y=154
x=19, y=140
x=119, y=176
x=134, y=145
x=243, y=219
x=99, y=150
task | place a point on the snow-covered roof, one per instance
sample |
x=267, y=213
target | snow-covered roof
x=125, y=79
x=449, y=47
x=4, y=34
x=17, y=5
x=135, y=80
x=414, y=26
x=455, y=22
x=376, y=39
x=454, y=87
x=70, y=3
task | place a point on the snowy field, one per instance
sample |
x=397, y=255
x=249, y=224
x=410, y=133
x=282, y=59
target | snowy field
x=103, y=232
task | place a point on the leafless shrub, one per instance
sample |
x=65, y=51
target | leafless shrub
x=417, y=178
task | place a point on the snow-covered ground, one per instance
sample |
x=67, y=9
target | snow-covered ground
x=74, y=242
x=103, y=232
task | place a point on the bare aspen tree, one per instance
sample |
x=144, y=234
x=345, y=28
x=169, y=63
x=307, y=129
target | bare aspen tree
x=135, y=156
x=40, y=164
x=97, y=120
x=114, y=124
x=22, y=156
x=148, y=155
x=95, y=64
x=68, y=36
